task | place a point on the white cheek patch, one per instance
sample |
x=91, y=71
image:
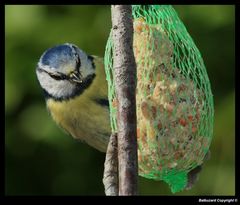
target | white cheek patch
x=56, y=88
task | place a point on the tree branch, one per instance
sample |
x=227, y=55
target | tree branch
x=124, y=67
x=110, y=176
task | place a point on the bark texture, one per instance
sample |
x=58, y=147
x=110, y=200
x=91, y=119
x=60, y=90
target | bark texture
x=125, y=80
x=110, y=176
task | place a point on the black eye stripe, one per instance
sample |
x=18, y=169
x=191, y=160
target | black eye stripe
x=78, y=61
x=78, y=64
x=59, y=76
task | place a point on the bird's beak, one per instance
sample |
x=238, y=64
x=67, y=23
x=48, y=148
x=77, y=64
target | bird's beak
x=76, y=77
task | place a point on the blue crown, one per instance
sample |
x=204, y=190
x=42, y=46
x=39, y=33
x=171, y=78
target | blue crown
x=57, y=56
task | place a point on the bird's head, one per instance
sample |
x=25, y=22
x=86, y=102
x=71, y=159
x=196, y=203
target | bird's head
x=65, y=70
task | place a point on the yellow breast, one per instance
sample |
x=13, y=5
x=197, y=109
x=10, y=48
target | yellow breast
x=82, y=117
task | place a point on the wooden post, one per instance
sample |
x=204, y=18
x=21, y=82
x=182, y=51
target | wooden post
x=124, y=67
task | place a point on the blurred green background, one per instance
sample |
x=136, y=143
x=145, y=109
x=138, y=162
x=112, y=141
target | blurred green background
x=42, y=160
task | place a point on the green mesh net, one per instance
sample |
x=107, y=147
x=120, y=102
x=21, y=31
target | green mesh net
x=174, y=99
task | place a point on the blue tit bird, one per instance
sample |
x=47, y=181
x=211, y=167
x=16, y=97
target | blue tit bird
x=75, y=89
x=76, y=92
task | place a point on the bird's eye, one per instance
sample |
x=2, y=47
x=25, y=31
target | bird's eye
x=55, y=75
x=58, y=76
